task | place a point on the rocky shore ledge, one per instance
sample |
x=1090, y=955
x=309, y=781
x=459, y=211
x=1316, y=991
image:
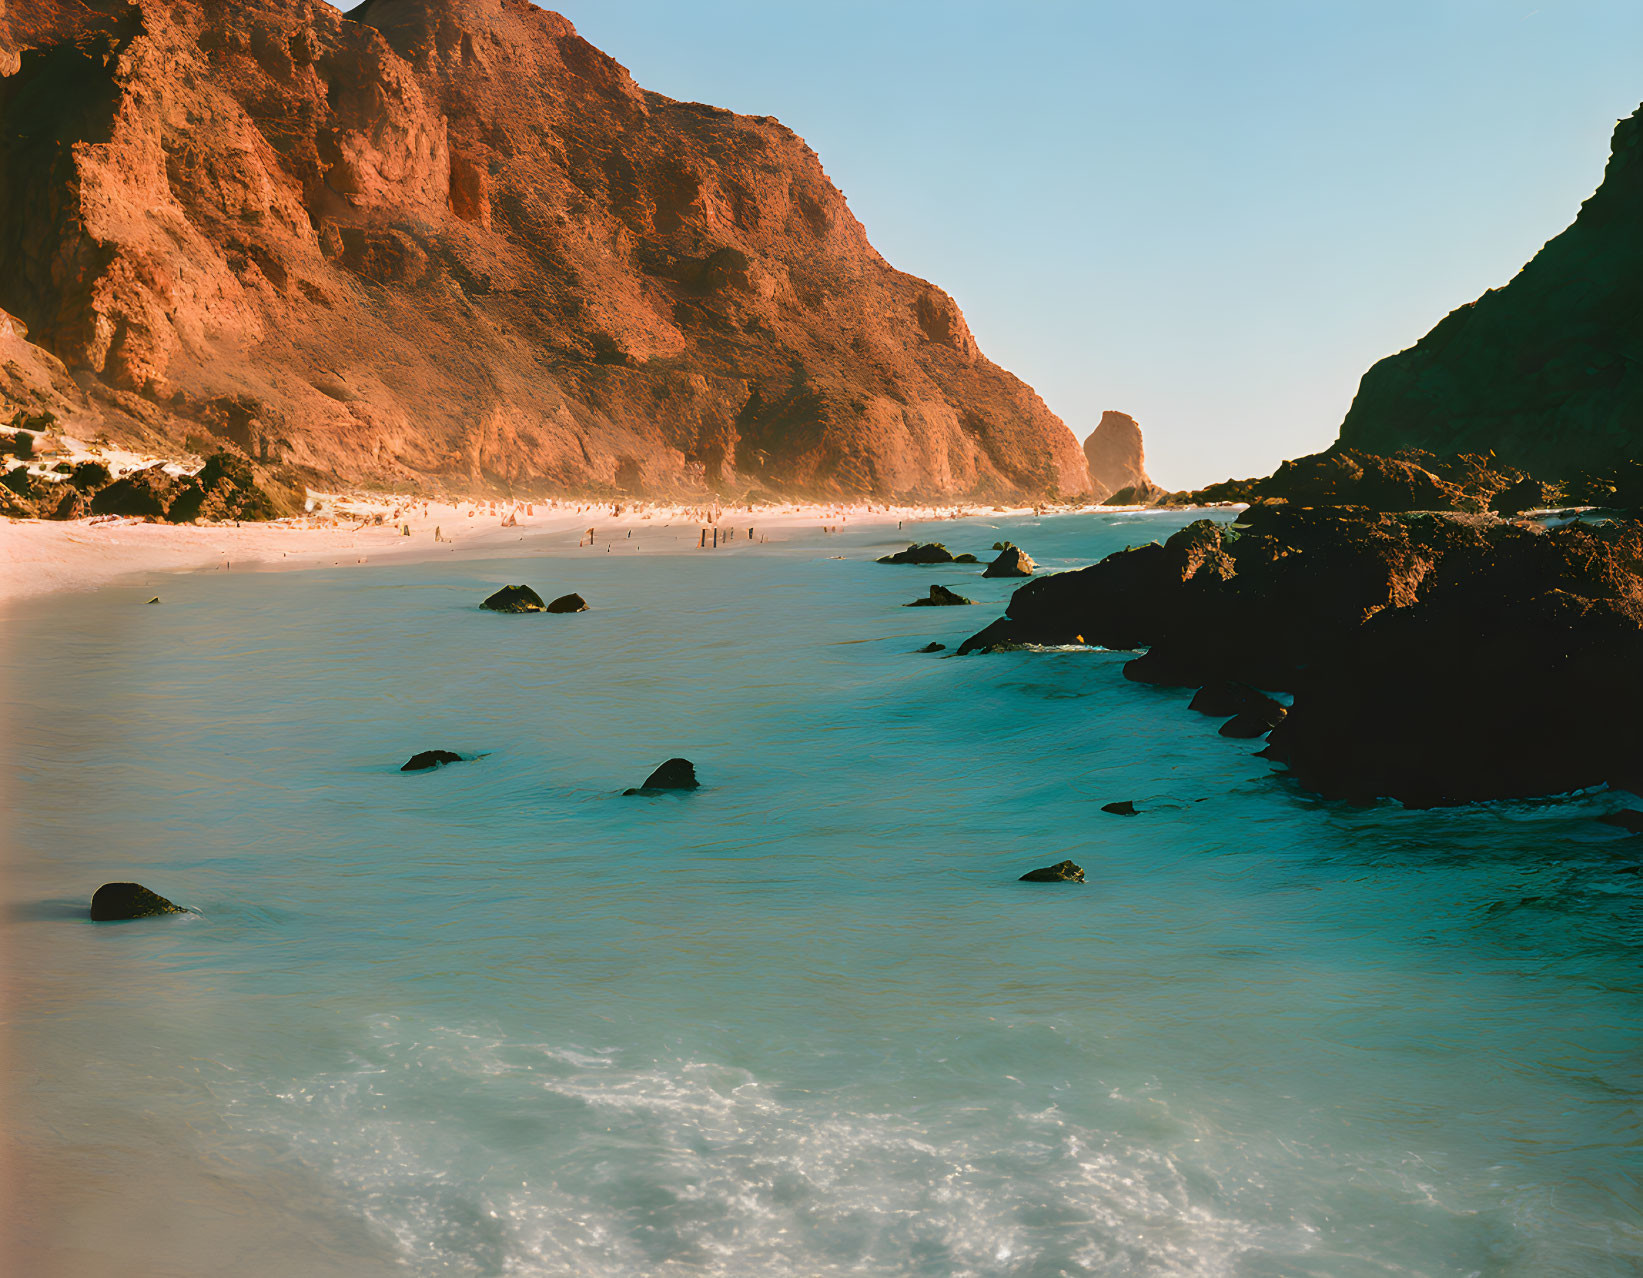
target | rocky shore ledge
x=1433, y=657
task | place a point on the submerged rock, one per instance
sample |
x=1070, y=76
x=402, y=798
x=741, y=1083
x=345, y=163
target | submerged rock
x=940, y=597
x=965, y=558
x=1626, y=819
x=1123, y=807
x=929, y=553
x=129, y=901
x=429, y=759
x=568, y=603
x=1012, y=561
x=675, y=774
x=515, y=599
x=1060, y=872
x=934, y=647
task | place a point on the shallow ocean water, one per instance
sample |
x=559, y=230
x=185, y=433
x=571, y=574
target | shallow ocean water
x=500, y=1019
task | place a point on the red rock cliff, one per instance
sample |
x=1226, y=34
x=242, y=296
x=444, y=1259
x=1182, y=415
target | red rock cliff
x=449, y=242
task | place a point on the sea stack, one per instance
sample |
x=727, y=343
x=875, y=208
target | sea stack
x=1117, y=459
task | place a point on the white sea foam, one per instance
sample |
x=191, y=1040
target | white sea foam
x=693, y=1167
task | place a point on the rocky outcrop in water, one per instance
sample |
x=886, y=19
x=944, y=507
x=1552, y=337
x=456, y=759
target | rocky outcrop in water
x=115, y=901
x=940, y=597
x=675, y=774
x=515, y=599
x=1547, y=371
x=1060, y=872
x=1116, y=457
x=450, y=244
x=568, y=603
x=1433, y=658
x=1012, y=561
x=931, y=553
x=427, y=759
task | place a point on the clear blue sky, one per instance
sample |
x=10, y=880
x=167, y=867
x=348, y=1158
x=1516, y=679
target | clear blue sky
x=1211, y=214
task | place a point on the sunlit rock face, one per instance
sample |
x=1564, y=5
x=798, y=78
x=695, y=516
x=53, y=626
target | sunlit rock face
x=448, y=242
x=1116, y=458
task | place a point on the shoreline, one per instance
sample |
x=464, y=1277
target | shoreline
x=39, y=557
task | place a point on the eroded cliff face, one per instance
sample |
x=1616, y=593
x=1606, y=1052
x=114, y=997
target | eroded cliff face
x=448, y=242
x=1546, y=371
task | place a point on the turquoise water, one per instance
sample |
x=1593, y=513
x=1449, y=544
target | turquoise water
x=499, y=1019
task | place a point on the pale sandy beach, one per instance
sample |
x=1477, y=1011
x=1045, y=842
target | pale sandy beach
x=38, y=557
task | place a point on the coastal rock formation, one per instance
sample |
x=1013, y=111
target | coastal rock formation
x=1547, y=371
x=1254, y=722
x=1410, y=480
x=568, y=603
x=1060, y=872
x=226, y=487
x=1116, y=458
x=115, y=901
x=448, y=244
x=1226, y=697
x=429, y=759
x=675, y=774
x=934, y=647
x=931, y=553
x=1433, y=658
x=1012, y=561
x=1121, y=807
x=940, y=597
x=515, y=599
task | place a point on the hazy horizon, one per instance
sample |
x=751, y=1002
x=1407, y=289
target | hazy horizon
x=1214, y=220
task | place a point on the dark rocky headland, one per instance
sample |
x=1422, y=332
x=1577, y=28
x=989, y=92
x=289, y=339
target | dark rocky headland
x=1440, y=648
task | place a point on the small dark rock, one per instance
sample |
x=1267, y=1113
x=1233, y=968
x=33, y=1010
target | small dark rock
x=129, y=901
x=154, y=600
x=675, y=774
x=1012, y=561
x=1060, y=872
x=1124, y=807
x=940, y=597
x=515, y=599
x=965, y=559
x=1627, y=819
x=934, y=647
x=429, y=759
x=930, y=553
x=569, y=603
